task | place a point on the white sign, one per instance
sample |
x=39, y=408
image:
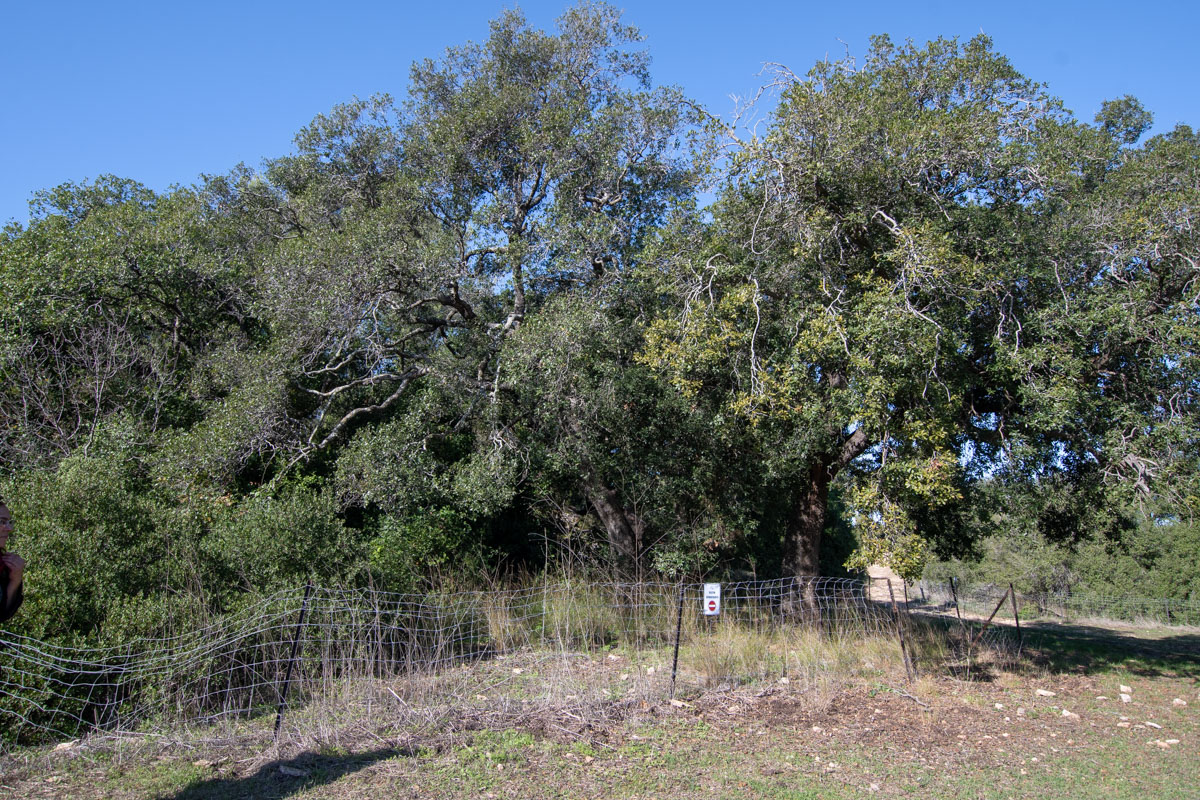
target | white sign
x=712, y=599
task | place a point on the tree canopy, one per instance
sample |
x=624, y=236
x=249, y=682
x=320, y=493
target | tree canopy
x=488, y=323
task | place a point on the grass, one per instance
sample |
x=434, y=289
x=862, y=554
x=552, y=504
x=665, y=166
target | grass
x=758, y=713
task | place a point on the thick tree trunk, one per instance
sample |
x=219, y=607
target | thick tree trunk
x=806, y=522
x=802, y=536
x=623, y=528
x=802, y=540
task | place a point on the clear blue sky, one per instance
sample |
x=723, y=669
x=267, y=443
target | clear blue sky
x=163, y=91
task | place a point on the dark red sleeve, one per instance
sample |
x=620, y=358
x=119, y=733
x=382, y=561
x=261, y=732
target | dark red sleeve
x=9, y=609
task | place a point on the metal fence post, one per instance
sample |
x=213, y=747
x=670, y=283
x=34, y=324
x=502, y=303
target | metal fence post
x=1012, y=593
x=287, y=680
x=678, y=630
x=900, y=631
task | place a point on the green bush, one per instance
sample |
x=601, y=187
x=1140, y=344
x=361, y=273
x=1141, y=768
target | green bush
x=281, y=536
x=409, y=548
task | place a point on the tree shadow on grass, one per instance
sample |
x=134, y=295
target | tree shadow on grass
x=1079, y=647
x=283, y=778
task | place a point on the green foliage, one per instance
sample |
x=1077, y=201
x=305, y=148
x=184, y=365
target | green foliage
x=1157, y=559
x=484, y=323
x=112, y=295
x=87, y=533
x=282, y=536
x=411, y=548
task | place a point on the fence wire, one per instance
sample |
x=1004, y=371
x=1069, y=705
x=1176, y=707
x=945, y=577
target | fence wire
x=378, y=643
x=415, y=661
x=980, y=600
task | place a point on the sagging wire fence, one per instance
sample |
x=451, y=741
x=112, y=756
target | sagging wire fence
x=319, y=658
x=979, y=600
x=320, y=654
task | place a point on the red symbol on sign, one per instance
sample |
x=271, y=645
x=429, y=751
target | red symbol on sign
x=712, y=605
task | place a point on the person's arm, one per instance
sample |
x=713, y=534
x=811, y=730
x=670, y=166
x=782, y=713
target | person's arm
x=14, y=590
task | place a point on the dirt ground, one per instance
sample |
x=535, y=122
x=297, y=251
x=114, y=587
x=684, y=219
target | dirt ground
x=1108, y=713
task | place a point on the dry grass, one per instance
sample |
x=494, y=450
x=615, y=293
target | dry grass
x=760, y=712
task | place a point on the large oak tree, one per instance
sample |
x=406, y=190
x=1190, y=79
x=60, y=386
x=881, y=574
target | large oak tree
x=926, y=270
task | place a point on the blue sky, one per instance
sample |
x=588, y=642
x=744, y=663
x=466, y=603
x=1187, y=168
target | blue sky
x=162, y=92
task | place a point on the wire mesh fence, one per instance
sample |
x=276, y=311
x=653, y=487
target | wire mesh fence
x=981, y=599
x=321, y=652
x=334, y=657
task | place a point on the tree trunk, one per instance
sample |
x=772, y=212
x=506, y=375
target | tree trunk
x=623, y=528
x=806, y=522
x=802, y=540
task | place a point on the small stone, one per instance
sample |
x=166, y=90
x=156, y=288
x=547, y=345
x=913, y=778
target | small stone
x=292, y=772
x=517, y=670
x=1123, y=724
x=1044, y=693
x=1069, y=714
x=1162, y=744
x=784, y=679
x=1154, y=725
x=1125, y=698
x=650, y=670
x=1126, y=689
x=1020, y=712
x=999, y=706
x=203, y=763
x=1124, y=718
x=65, y=745
x=624, y=676
x=678, y=703
x=874, y=787
x=1172, y=741
x=1179, y=701
x=817, y=729
x=1101, y=697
